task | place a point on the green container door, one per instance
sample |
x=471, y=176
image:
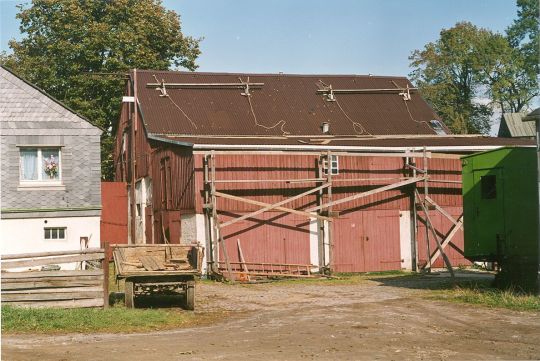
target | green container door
x=488, y=214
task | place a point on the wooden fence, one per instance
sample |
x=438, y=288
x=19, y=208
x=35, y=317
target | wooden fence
x=62, y=288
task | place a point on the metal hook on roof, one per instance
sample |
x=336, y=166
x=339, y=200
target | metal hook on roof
x=246, y=92
x=161, y=87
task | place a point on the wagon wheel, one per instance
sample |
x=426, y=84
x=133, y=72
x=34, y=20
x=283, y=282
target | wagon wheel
x=129, y=294
x=189, y=298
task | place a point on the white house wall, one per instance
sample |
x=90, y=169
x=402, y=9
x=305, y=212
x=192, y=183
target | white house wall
x=27, y=235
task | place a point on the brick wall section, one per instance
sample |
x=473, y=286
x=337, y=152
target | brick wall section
x=30, y=117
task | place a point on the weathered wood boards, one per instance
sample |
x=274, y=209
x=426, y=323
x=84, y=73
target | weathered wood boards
x=64, y=288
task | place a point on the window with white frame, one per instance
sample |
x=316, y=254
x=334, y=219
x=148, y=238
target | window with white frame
x=57, y=233
x=40, y=165
x=334, y=165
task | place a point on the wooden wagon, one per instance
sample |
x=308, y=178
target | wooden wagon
x=158, y=268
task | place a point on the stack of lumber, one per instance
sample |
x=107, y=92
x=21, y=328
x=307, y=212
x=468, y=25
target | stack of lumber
x=151, y=258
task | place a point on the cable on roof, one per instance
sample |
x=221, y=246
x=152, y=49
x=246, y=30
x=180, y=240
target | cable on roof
x=247, y=94
x=357, y=127
x=406, y=98
x=164, y=94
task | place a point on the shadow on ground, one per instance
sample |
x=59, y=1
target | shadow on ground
x=153, y=301
x=439, y=280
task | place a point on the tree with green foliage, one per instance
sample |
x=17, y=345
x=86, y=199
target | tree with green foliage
x=446, y=71
x=468, y=63
x=79, y=51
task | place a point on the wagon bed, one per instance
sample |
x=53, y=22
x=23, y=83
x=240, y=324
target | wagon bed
x=158, y=268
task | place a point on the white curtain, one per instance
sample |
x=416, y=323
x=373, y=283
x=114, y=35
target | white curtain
x=29, y=164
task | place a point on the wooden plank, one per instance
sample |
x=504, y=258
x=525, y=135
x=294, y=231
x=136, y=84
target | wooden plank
x=448, y=238
x=242, y=260
x=368, y=193
x=49, y=254
x=272, y=206
x=58, y=290
x=33, y=262
x=17, y=297
x=151, y=263
x=165, y=273
x=105, y=267
x=151, y=245
x=50, y=283
x=47, y=279
x=439, y=247
x=45, y=274
x=257, y=203
x=442, y=210
x=82, y=303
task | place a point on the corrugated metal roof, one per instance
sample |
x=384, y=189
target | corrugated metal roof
x=286, y=104
x=512, y=125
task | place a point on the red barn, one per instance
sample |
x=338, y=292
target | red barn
x=272, y=172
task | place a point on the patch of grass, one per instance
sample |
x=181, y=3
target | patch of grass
x=479, y=294
x=87, y=320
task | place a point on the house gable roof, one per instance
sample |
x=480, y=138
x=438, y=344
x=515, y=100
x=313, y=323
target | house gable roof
x=23, y=104
x=282, y=105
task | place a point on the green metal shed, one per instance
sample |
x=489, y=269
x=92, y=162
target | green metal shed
x=500, y=207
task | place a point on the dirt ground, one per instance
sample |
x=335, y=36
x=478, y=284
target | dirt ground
x=383, y=318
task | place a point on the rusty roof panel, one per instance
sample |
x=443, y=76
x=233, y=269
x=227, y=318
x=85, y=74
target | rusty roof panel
x=285, y=104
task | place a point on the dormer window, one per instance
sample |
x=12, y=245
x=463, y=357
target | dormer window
x=437, y=126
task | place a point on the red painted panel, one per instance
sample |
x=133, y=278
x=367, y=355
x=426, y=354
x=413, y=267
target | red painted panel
x=381, y=240
x=114, y=213
x=367, y=241
x=454, y=250
x=348, y=250
x=272, y=237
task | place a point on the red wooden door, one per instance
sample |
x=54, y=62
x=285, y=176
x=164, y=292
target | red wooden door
x=367, y=241
x=348, y=250
x=381, y=240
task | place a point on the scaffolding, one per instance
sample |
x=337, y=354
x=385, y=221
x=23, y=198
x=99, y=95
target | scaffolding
x=415, y=178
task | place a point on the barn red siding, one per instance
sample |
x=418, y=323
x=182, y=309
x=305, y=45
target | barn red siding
x=366, y=234
x=114, y=218
x=271, y=237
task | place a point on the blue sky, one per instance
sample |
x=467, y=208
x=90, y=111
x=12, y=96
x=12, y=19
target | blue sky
x=314, y=36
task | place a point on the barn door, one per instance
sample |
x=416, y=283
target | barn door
x=381, y=240
x=348, y=240
x=488, y=215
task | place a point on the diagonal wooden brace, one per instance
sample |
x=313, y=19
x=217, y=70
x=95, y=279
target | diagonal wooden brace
x=368, y=193
x=273, y=206
x=457, y=226
x=262, y=204
x=442, y=210
x=430, y=226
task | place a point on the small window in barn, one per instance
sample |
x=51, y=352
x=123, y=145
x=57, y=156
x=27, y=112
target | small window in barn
x=40, y=165
x=334, y=165
x=58, y=233
x=437, y=126
x=488, y=186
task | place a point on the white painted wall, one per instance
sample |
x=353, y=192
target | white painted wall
x=27, y=235
x=313, y=245
x=405, y=239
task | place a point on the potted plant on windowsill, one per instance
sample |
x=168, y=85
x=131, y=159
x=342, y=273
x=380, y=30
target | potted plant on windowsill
x=51, y=167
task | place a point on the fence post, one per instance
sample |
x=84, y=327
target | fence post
x=105, y=266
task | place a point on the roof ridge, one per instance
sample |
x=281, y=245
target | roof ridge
x=271, y=74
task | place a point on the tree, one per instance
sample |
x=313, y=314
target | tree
x=447, y=73
x=80, y=50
